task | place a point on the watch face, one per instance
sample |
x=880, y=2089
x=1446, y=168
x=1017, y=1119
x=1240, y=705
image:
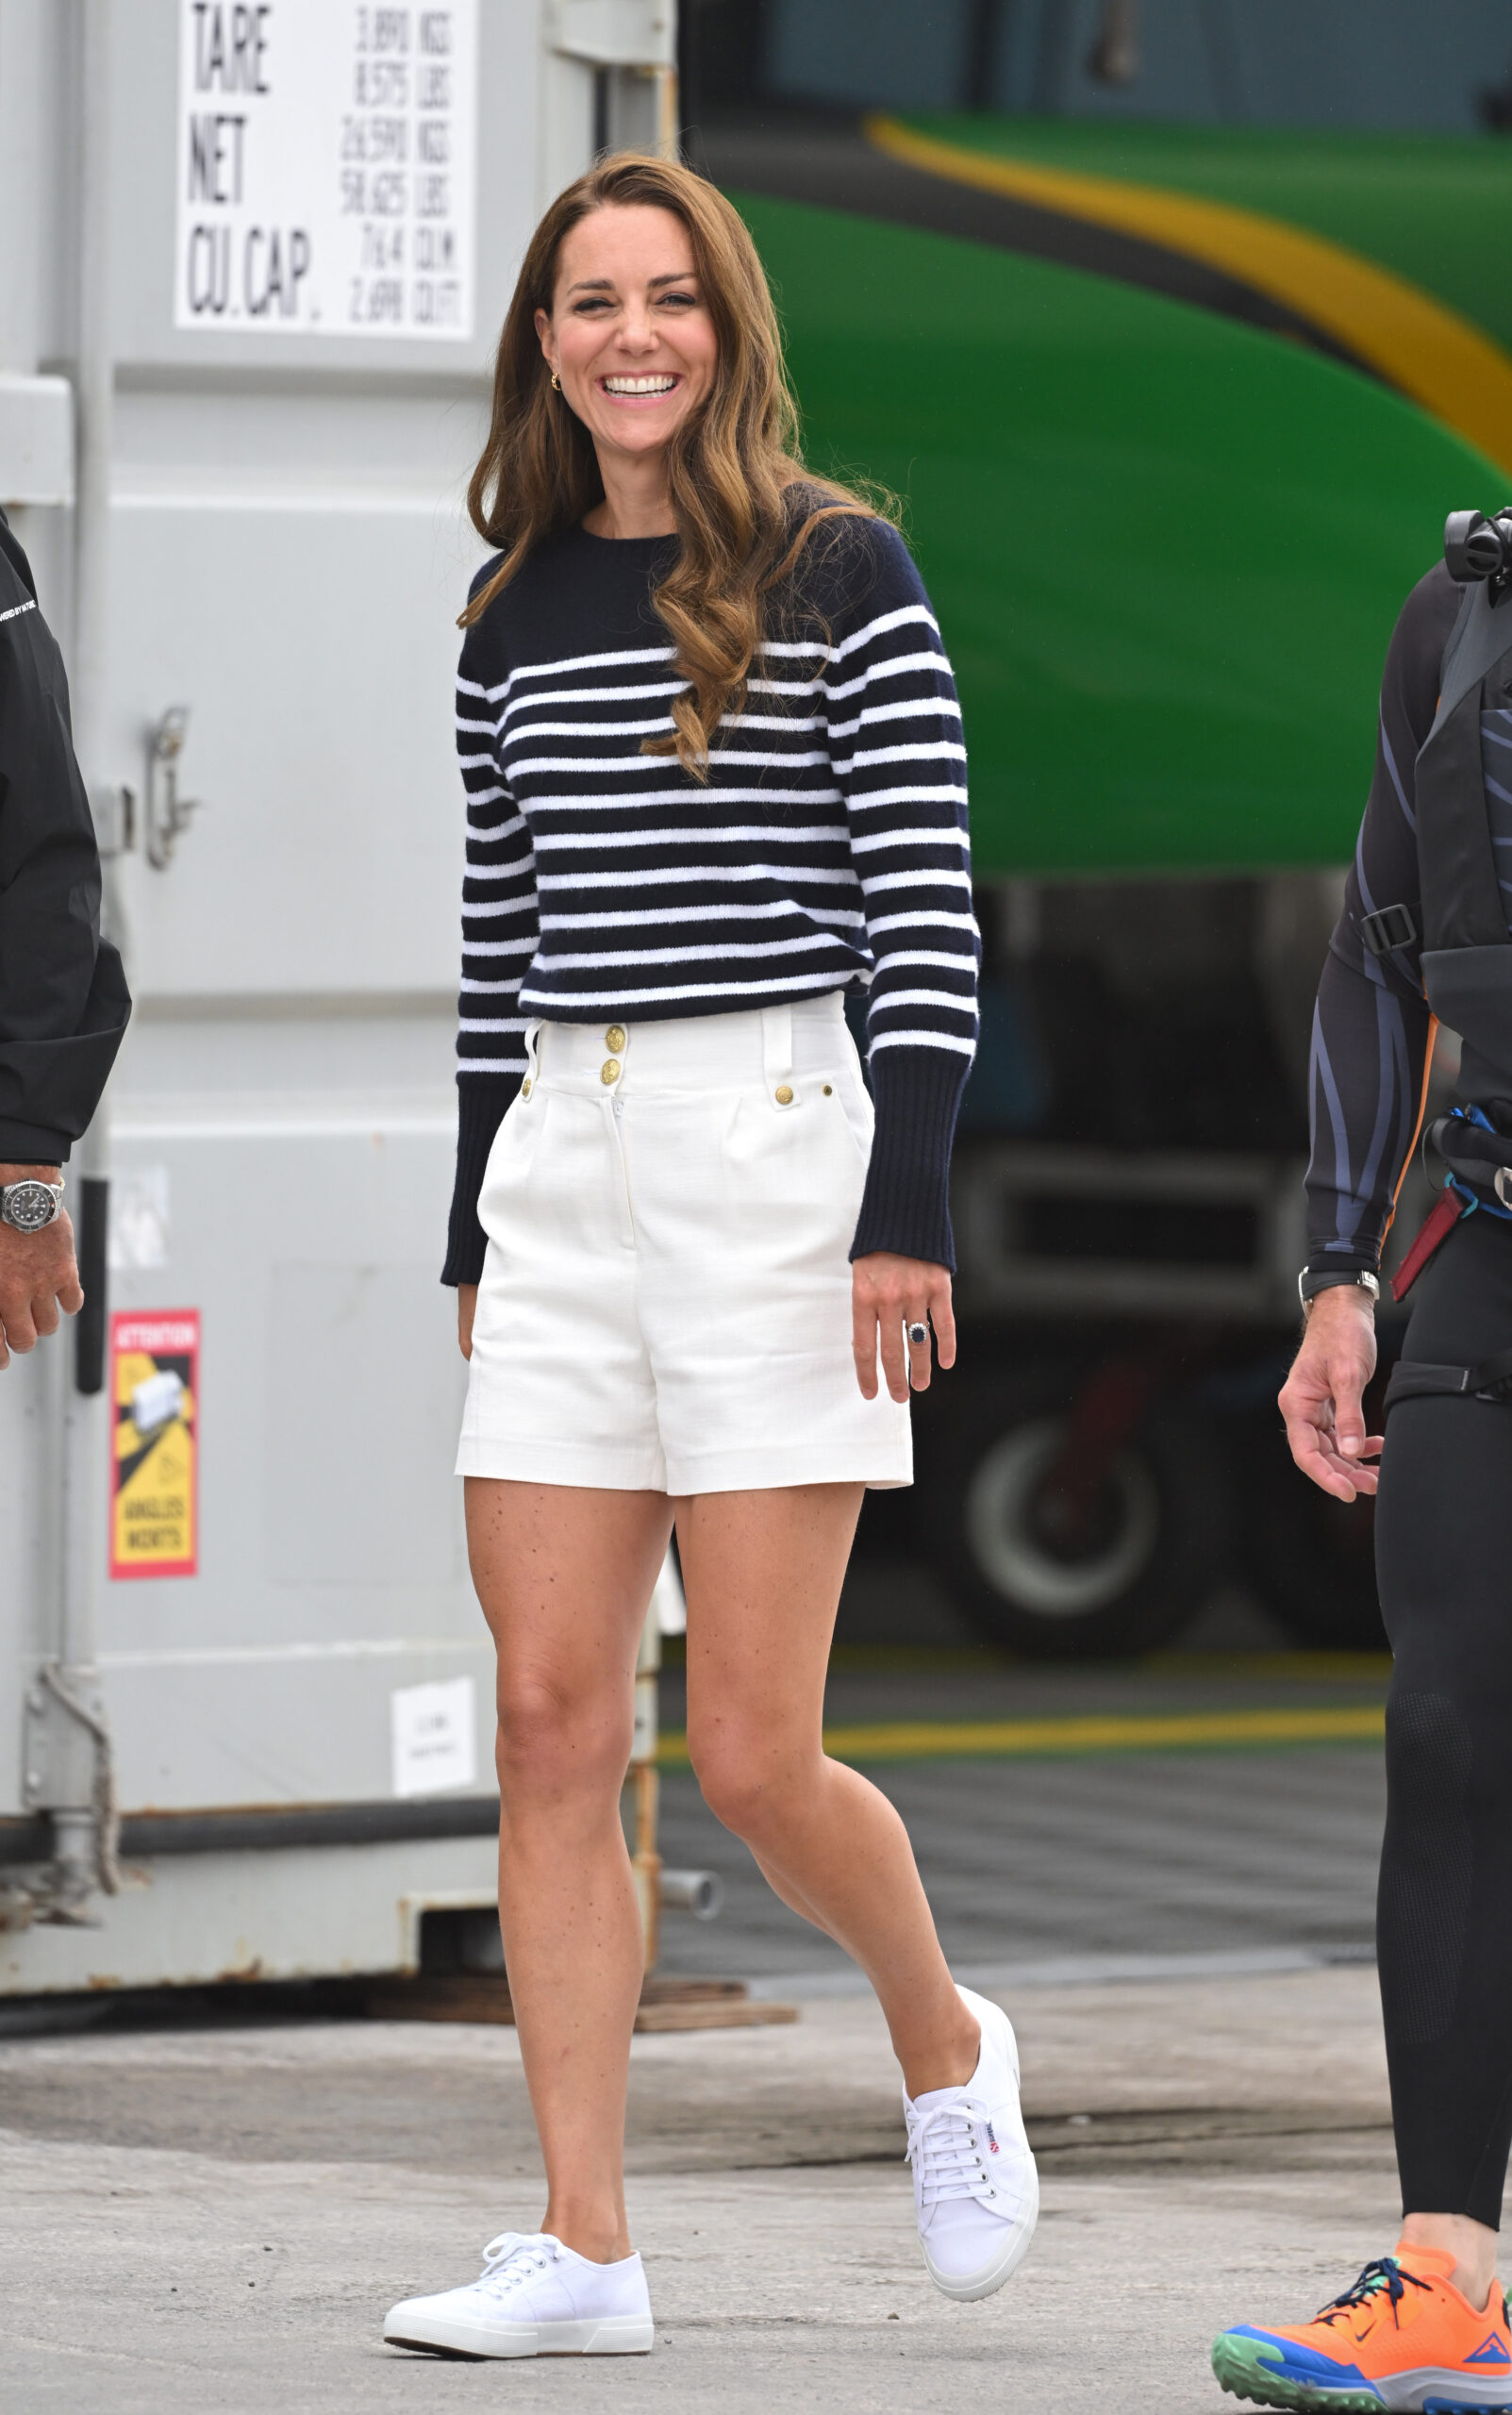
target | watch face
x=29, y=1205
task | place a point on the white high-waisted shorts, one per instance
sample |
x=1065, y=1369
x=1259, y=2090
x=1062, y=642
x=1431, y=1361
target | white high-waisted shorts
x=666, y=1298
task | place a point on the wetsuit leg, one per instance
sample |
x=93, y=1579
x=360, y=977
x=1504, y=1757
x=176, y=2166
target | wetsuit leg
x=1444, y=1916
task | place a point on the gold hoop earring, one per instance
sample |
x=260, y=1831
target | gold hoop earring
x=555, y=383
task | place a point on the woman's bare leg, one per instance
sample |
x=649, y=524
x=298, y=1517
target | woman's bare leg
x=564, y=1577
x=762, y=1573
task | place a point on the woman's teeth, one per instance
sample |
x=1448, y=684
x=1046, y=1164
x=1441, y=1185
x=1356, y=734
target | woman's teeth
x=639, y=385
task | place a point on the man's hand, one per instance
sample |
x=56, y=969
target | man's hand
x=467, y=1299
x=1321, y=1399
x=887, y=1293
x=39, y=1273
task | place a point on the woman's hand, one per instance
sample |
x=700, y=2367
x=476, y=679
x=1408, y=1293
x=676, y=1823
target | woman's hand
x=467, y=1299
x=889, y=1292
x=1321, y=1402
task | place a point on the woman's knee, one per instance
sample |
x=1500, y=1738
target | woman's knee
x=552, y=1741
x=751, y=1787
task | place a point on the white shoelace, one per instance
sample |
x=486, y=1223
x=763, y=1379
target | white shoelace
x=514, y=2257
x=946, y=2154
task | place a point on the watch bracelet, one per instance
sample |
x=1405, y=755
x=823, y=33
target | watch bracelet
x=1311, y=1282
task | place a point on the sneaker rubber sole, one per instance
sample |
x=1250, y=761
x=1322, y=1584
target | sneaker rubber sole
x=1248, y=2369
x=966, y=2286
x=606, y=2334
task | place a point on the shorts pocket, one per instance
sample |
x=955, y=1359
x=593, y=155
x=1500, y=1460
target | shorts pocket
x=516, y=1144
x=856, y=1107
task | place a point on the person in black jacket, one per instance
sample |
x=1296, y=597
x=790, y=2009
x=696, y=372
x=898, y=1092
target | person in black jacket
x=63, y=996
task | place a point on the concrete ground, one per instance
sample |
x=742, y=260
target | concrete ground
x=216, y=2221
x=212, y=2221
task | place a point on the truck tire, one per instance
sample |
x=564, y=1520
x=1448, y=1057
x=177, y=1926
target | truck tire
x=1311, y=1559
x=1156, y=1545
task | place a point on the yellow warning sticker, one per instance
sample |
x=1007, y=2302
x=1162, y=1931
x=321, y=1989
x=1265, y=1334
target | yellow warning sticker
x=155, y=1464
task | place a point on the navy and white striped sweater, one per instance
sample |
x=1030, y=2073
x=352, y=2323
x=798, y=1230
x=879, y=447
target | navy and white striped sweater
x=828, y=849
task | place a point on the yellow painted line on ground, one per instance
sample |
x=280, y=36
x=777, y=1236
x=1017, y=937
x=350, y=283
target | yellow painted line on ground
x=1418, y=343
x=931, y=1740
x=1308, y=1668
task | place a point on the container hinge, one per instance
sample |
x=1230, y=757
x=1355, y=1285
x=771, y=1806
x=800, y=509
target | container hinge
x=69, y=1770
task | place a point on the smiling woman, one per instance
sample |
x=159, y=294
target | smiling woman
x=715, y=777
x=645, y=293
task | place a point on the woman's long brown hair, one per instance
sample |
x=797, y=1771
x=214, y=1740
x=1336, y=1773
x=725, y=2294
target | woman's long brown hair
x=730, y=468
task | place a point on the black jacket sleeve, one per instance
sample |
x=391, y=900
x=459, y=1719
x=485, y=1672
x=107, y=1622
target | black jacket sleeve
x=63, y=997
x=1370, y=1033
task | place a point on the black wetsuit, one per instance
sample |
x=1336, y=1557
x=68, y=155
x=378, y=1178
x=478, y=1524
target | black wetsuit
x=1444, y=1511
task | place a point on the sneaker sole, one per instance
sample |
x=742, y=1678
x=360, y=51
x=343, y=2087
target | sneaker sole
x=610, y=2335
x=964, y=2285
x=1241, y=2369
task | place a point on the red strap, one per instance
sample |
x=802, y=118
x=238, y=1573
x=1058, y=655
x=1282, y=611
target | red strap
x=1442, y=1217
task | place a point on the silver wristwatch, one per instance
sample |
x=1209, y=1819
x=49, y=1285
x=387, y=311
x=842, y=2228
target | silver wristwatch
x=26, y=1207
x=1369, y=1284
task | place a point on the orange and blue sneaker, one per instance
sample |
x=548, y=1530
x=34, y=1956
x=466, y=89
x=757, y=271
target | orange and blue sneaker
x=1403, y=2337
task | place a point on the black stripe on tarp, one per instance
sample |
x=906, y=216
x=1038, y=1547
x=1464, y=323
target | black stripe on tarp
x=147, y=1835
x=836, y=168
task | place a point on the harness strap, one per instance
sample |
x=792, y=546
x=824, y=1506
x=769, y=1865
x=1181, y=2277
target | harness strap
x=1470, y=1149
x=1416, y=1379
x=1439, y=1222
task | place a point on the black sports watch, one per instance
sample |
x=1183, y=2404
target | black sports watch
x=26, y=1207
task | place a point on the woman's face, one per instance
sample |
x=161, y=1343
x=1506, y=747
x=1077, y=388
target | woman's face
x=629, y=335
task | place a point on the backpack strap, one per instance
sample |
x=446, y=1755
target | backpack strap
x=1482, y=633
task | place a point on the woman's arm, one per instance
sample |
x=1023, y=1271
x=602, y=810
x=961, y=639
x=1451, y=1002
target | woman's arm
x=894, y=730
x=500, y=928
x=895, y=742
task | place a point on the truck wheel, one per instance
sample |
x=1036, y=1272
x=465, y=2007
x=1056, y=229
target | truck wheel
x=1312, y=1559
x=1141, y=1563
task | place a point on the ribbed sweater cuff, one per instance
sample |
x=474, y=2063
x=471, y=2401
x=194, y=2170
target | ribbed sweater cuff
x=483, y=1101
x=906, y=1206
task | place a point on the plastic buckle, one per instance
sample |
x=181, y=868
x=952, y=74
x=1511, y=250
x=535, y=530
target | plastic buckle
x=1501, y=1185
x=1391, y=926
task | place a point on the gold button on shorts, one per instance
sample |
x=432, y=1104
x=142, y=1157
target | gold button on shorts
x=783, y=1094
x=610, y=1070
x=614, y=1036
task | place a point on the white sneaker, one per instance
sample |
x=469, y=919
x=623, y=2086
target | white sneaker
x=974, y=2182
x=534, y=2298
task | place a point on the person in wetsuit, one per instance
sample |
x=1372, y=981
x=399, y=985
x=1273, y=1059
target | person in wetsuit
x=1429, y=2319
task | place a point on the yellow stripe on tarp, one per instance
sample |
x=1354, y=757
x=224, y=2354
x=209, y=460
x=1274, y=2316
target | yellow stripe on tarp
x=932, y=1739
x=1417, y=343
